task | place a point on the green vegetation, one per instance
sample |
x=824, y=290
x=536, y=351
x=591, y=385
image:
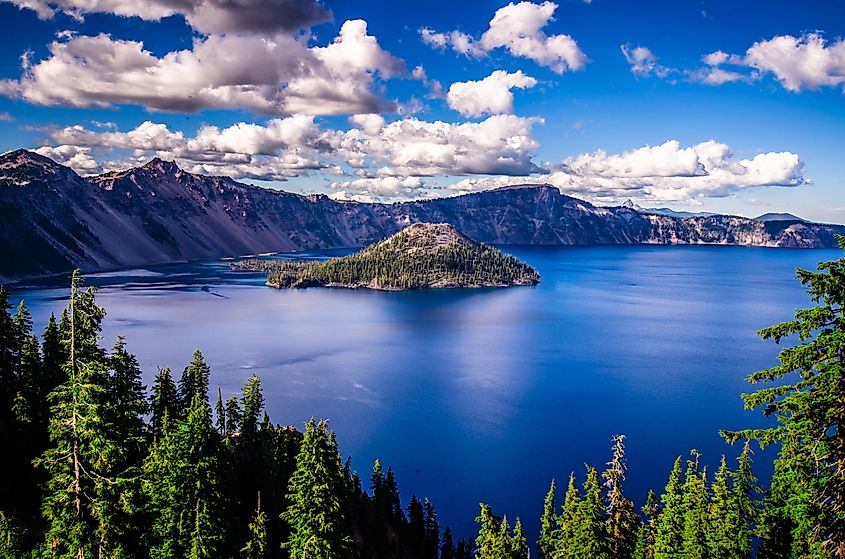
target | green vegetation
x=421, y=256
x=92, y=468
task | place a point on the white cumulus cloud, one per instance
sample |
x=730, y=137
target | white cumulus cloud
x=517, y=28
x=490, y=95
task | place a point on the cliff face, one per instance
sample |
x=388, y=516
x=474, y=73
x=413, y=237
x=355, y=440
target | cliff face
x=52, y=220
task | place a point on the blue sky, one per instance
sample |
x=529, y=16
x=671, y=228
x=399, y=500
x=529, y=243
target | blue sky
x=736, y=107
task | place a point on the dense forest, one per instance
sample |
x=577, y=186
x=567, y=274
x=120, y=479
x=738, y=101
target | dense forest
x=96, y=466
x=420, y=256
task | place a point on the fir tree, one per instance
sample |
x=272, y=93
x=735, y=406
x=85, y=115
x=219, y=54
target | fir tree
x=668, y=537
x=651, y=510
x=256, y=545
x=488, y=534
x=695, y=504
x=519, y=545
x=194, y=380
x=165, y=402
x=220, y=414
x=569, y=522
x=315, y=514
x=808, y=404
x=252, y=403
x=548, y=525
x=447, y=548
x=623, y=524
x=591, y=537
x=432, y=531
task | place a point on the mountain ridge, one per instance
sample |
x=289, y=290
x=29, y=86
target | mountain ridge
x=53, y=220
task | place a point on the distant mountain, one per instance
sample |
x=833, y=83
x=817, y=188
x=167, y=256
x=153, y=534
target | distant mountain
x=778, y=217
x=421, y=256
x=664, y=211
x=52, y=220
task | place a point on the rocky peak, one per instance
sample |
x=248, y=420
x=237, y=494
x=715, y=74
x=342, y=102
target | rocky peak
x=159, y=167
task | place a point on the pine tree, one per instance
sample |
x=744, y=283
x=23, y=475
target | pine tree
x=744, y=499
x=165, y=402
x=695, y=504
x=569, y=522
x=591, y=537
x=652, y=511
x=194, y=381
x=252, y=403
x=77, y=505
x=256, y=545
x=220, y=414
x=668, y=537
x=447, y=548
x=488, y=534
x=519, y=545
x=184, y=476
x=315, y=514
x=548, y=525
x=807, y=401
x=722, y=517
x=623, y=524
x=432, y=532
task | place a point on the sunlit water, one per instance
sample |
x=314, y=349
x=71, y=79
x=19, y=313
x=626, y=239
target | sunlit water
x=482, y=395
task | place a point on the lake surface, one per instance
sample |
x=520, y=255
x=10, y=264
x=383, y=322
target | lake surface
x=482, y=395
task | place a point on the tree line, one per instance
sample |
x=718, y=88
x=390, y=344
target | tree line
x=94, y=467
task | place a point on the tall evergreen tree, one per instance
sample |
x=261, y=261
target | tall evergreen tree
x=569, y=522
x=548, y=525
x=165, y=402
x=252, y=404
x=318, y=528
x=256, y=545
x=651, y=510
x=723, y=518
x=519, y=545
x=432, y=531
x=744, y=499
x=807, y=401
x=194, y=381
x=447, y=548
x=591, y=537
x=488, y=533
x=695, y=503
x=623, y=524
x=78, y=504
x=183, y=483
x=668, y=537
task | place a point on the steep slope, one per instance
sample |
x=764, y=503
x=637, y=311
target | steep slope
x=52, y=220
x=423, y=255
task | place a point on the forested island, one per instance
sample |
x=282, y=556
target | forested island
x=423, y=255
x=95, y=466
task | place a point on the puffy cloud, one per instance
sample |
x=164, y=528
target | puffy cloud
x=664, y=173
x=800, y=62
x=206, y=16
x=6, y=117
x=296, y=145
x=490, y=95
x=518, y=28
x=379, y=189
x=501, y=144
x=267, y=75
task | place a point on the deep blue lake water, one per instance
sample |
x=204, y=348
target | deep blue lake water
x=475, y=395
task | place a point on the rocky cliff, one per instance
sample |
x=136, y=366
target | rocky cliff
x=52, y=220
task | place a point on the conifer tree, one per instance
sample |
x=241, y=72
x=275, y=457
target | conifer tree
x=623, y=524
x=77, y=507
x=519, y=545
x=184, y=476
x=651, y=510
x=447, y=548
x=252, y=403
x=807, y=402
x=502, y=544
x=722, y=517
x=548, y=525
x=233, y=414
x=569, y=521
x=194, y=381
x=415, y=531
x=744, y=499
x=256, y=545
x=165, y=402
x=668, y=537
x=220, y=414
x=315, y=516
x=432, y=531
x=591, y=537
x=695, y=503
x=488, y=533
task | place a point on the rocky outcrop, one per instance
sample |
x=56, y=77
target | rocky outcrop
x=52, y=220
